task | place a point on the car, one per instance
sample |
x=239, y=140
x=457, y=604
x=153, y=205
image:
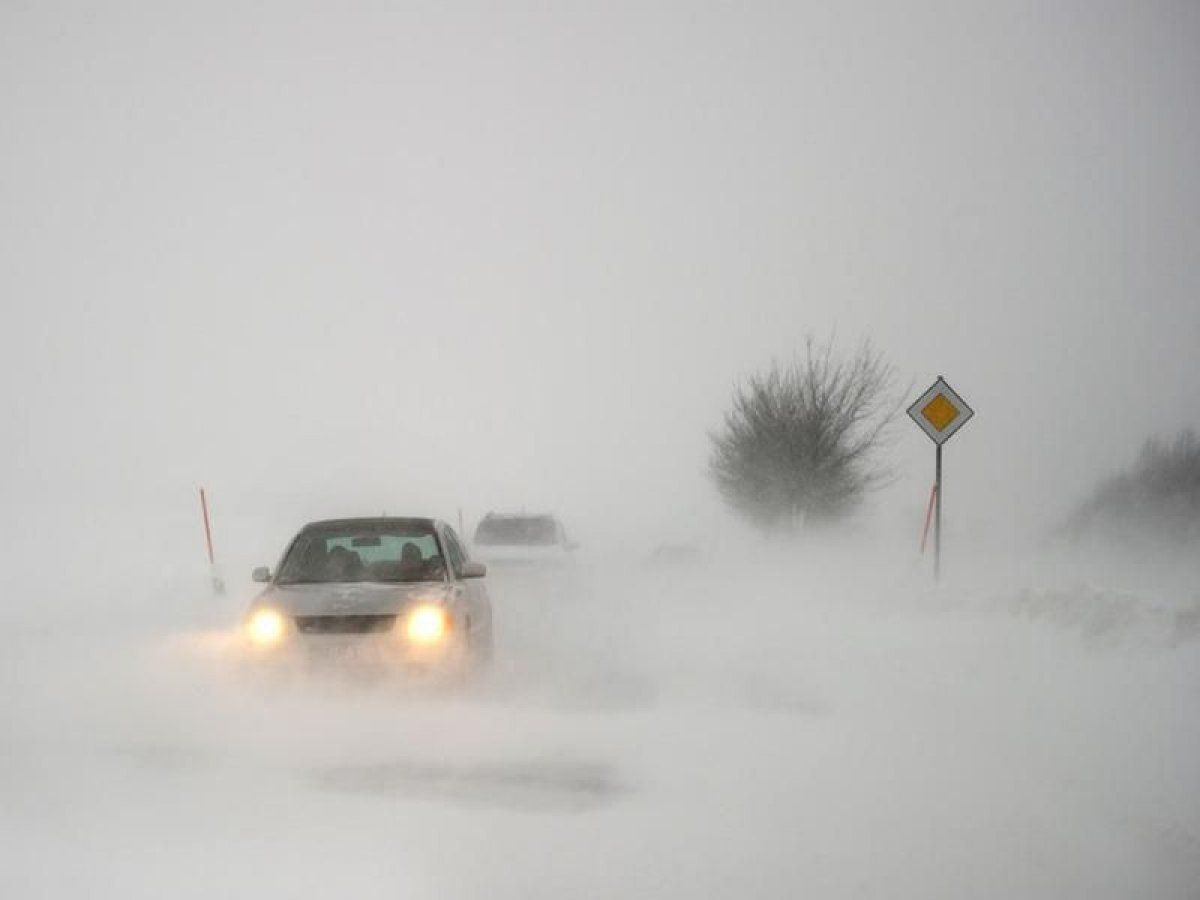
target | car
x=385, y=591
x=523, y=539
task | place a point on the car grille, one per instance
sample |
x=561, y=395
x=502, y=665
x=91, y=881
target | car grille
x=344, y=624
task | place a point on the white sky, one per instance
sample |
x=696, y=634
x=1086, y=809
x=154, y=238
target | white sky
x=374, y=255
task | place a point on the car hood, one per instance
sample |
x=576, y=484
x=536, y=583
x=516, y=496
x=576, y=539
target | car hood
x=350, y=599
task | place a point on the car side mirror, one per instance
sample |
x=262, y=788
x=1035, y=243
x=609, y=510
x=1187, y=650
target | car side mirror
x=261, y=574
x=474, y=570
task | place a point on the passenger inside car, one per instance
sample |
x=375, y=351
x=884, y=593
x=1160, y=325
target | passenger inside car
x=343, y=564
x=412, y=562
x=364, y=555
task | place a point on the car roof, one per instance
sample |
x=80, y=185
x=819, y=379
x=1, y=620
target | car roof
x=419, y=521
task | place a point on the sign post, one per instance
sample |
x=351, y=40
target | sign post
x=937, y=525
x=939, y=412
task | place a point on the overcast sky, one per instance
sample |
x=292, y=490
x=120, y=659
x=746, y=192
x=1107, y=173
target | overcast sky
x=421, y=256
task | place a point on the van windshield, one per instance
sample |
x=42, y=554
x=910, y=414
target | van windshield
x=522, y=531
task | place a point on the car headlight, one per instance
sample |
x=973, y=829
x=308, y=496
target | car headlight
x=426, y=624
x=265, y=627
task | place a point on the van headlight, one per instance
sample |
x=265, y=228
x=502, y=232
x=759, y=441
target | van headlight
x=266, y=627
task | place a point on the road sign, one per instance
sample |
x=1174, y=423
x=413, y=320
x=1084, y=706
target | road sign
x=940, y=412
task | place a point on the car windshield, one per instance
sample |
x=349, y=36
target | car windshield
x=517, y=530
x=382, y=552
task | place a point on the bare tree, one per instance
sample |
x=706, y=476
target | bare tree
x=799, y=442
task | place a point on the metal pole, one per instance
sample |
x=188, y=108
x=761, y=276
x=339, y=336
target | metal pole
x=937, y=519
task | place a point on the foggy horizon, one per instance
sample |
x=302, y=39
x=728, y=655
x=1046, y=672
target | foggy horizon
x=324, y=253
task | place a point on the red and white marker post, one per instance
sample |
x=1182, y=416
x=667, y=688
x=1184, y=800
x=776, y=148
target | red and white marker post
x=218, y=585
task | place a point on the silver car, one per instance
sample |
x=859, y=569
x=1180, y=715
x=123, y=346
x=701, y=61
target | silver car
x=516, y=540
x=383, y=591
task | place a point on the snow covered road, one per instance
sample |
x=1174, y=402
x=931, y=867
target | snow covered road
x=666, y=736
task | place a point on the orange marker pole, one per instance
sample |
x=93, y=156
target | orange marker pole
x=928, y=516
x=217, y=583
x=207, y=527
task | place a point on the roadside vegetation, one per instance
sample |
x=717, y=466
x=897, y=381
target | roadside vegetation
x=1156, y=499
x=800, y=442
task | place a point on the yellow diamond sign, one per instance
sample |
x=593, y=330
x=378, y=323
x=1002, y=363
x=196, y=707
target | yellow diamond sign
x=940, y=412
